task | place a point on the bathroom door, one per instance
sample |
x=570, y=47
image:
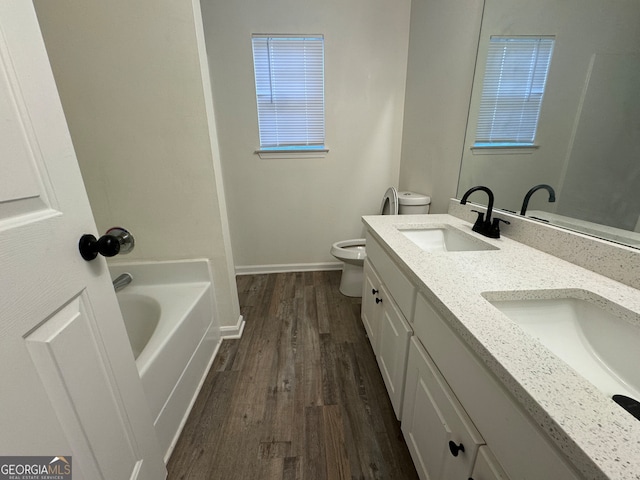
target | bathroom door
x=68, y=382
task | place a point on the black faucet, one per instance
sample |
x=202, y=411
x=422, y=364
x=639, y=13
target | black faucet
x=484, y=226
x=527, y=197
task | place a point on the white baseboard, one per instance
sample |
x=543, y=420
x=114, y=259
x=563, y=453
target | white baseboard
x=290, y=267
x=234, y=331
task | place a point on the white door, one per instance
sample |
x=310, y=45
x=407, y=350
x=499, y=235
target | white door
x=68, y=383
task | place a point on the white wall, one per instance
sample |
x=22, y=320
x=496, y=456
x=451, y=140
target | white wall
x=289, y=212
x=130, y=79
x=442, y=53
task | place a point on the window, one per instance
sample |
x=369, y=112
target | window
x=289, y=72
x=514, y=83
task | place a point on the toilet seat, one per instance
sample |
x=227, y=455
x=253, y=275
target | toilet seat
x=389, y=202
x=350, y=251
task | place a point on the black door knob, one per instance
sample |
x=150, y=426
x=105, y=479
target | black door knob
x=373, y=291
x=90, y=247
x=455, y=448
x=378, y=300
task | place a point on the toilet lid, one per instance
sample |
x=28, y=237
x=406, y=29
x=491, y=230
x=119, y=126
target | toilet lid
x=389, y=202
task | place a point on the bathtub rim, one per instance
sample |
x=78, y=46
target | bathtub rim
x=191, y=294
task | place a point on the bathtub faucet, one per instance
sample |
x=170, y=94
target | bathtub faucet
x=122, y=281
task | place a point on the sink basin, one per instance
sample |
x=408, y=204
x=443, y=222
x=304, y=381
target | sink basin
x=445, y=239
x=602, y=343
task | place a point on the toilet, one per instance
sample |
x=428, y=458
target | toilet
x=352, y=252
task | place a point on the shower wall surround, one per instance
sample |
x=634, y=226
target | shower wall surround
x=137, y=99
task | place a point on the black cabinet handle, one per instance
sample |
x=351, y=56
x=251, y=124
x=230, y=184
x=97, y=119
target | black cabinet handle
x=90, y=247
x=378, y=300
x=455, y=449
x=373, y=291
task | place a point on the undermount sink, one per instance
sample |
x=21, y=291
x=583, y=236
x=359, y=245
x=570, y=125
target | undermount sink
x=445, y=239
x=600, y=342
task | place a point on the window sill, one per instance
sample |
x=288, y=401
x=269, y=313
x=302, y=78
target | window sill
x=505, y=150
x=289, y=153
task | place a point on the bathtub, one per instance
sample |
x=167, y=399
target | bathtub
x=169, y=317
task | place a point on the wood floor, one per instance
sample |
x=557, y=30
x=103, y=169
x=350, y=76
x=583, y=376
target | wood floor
x=299, y=396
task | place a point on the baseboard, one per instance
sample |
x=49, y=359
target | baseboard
x=289, y=267
x=232, y=332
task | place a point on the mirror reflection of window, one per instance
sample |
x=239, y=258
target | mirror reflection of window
x=513, y=87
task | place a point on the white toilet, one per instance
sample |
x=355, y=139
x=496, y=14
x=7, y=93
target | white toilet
x=352, y=252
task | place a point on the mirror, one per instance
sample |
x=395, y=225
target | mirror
x=587, y=143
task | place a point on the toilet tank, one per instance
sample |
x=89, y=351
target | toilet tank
x=412, y=203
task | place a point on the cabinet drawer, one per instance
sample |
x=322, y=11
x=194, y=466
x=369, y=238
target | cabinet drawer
x=399, y=286
x=520, y=446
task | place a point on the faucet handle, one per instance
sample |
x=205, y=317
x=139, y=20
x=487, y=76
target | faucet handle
x=494, y=231
x=479, y=225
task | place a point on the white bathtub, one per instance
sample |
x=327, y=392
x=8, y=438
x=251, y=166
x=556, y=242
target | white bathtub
x=169, y=315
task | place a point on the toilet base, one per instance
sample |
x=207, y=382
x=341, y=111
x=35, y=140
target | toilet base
x=351, y=281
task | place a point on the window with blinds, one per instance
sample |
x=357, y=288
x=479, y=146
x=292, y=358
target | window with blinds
x=514, y=83
x=289, y=74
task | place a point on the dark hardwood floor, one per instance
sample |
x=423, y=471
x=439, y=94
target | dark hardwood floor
x=299, y=396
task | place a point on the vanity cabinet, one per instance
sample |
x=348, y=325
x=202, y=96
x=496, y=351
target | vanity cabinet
x=388, y=299
x=440, y=435
x=401, y=289
x=513, y=445
x=371, y=311
x=393, y=347
x=457, y=418
x=486, y=466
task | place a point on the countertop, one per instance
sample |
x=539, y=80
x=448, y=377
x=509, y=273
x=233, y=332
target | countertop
x=595, y=434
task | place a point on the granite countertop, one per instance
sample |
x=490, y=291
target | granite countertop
x=595, y=434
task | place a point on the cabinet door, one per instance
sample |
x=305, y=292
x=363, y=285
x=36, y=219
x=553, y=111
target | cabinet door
x=441, y=438
x=524, y=450
x=393, y=346
x=487, y=467
x=371, y=304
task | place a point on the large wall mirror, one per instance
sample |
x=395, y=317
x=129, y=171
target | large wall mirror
x=587, y=144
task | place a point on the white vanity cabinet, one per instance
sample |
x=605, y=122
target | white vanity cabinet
x=440, y=435
x=487, y=467
x=395, y=333
x=399, y=286
x=371, y=311
x=442, y=439
x=388, y=300
x=478, y=406
x=475, y=371
x=457, y=418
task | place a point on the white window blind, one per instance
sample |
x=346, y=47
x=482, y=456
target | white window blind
x=514, y=82
x=289, y=72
